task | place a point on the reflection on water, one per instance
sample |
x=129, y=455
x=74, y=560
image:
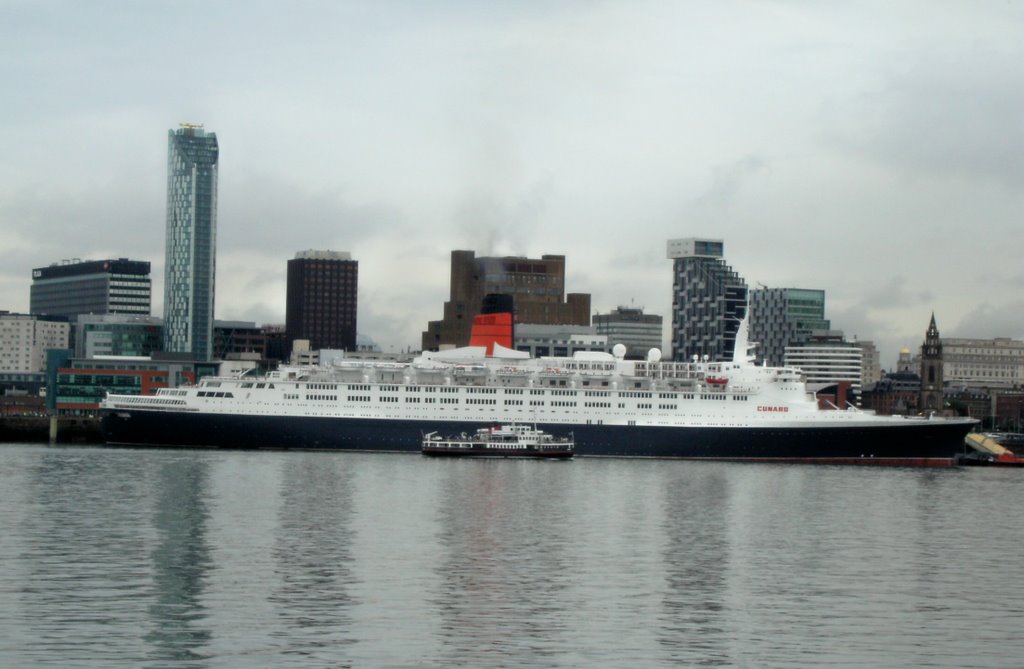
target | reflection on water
x=120, y=558
x=76, y=565
x=507, y=562
x=312, y=559
x=690, y=625
x=181, y=562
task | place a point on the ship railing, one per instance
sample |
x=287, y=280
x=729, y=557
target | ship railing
x=676, y=370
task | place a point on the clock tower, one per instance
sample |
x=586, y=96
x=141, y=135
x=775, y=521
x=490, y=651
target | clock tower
x=931, y=371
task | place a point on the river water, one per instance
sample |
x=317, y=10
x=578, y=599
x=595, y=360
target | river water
x=164, y=558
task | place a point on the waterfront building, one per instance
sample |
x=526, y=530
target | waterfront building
x=931, y=370
x=235, y=340
x=983, y=363
x=781, y=317
x=322, y=299
x=21, y=384
x=117, y=334
x=978, y=403
x=558, y=340
x=537, y=287
x=709, y=300
x=871, y=362
x=73, y=287
x=1008, y=410
x=826, y=359
x=190, y=253
x=276, y=337
x=81, y=383
x=25, y=338
x=631, y=327
x=895, y=393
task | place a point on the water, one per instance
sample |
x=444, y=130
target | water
x=160, y=558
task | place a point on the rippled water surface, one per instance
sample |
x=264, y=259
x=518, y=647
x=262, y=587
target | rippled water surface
x=161, y=558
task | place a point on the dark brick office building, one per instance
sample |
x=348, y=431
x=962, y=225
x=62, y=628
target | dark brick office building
x=322, y=290
x=537, y=286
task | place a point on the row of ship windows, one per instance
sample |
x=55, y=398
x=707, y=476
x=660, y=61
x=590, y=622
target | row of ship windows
x=452, y=400
x=483, y=401
x=508, y=391
x=326, y=386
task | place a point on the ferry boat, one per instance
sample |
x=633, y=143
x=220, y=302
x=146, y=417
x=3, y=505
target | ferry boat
x=733, y=410
x=509, y=441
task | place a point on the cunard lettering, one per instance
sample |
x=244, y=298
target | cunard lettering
x=773, y=409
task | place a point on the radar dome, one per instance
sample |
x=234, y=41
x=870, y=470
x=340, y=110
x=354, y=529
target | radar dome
x=619, y=351
x=654, y=355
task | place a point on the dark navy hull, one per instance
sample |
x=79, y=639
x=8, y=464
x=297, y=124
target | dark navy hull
x=915, y=443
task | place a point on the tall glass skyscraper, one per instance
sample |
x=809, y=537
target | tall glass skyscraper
x=191, y=247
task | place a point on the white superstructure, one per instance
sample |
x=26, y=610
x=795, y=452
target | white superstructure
x=463, y=385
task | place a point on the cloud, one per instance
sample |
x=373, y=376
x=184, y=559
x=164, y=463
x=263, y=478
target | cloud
x=263, y=212
x=952, y=111
x=497, y=224
x=728, y=181
x=990, y=320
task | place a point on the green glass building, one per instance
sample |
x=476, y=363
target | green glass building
x=781, y=317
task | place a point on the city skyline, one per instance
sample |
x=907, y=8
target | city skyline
x=874, y=152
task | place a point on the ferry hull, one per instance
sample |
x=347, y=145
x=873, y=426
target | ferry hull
x=913, y=443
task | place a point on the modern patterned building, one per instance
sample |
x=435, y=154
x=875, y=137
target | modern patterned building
x=708, y=300
x=537, y=287
x=323, y=287
x=191, y=245
x=76, y=287
x=631, y=327
x=781, y=317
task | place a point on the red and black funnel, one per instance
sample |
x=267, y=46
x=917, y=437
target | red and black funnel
x=494, y=325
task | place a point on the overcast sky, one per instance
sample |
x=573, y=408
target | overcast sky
x=871, y=149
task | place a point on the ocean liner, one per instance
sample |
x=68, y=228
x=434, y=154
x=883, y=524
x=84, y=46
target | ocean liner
x=732, y=410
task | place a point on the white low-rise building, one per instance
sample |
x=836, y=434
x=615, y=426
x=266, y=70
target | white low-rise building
x=558, y=340
x=24, y=340
x=826, y=360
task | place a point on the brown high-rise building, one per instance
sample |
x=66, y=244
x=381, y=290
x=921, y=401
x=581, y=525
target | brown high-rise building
x=322, y=289
x=536, y=285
